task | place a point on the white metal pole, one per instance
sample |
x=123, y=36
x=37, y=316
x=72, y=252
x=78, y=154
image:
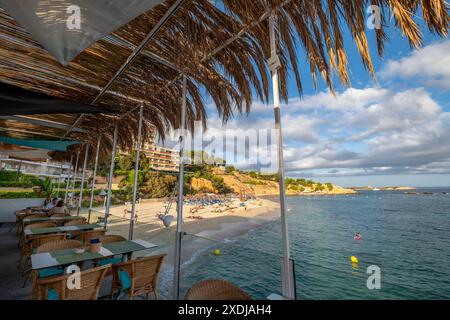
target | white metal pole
x=59, y=182
x=111, y=174
x=179, y=232
x=83, y=176
x=68, y=180
x=74, y=178
x=288, y=285
x=93, y=179
x=136, y=173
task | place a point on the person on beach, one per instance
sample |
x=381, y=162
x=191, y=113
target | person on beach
x=59, y=208
x=51, y=204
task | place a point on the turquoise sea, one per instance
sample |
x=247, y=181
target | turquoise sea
x=406, y=236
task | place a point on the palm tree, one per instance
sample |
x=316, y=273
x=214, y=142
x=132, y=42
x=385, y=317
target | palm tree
x=233, y=75
x=221, y=48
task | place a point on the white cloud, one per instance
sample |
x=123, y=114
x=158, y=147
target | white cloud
x=363, y=131
x=372, y=130
x=351, y=99
x=430, y=64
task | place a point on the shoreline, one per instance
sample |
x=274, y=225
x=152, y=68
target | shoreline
x=206, y=223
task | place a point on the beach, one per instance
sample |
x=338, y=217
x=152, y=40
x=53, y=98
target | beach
x=208, y=222
x=201, y=235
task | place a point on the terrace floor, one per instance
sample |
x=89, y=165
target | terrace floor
x=10, y=276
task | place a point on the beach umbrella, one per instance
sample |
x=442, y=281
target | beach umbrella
x=66, y=28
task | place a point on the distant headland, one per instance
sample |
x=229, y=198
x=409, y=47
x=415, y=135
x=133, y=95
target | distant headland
x=382, y=188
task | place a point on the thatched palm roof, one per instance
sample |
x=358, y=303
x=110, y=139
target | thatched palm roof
x=232, y=76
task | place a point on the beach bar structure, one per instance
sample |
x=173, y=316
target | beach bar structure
x=110, y=73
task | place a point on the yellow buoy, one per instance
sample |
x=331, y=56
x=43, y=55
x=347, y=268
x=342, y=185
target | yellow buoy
x=216, y=252
x=354, y=259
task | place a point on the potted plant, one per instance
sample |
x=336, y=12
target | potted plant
x=43, y=187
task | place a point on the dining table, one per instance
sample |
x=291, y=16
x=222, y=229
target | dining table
x=50, y=219
x=52, y=230
x=67, y=257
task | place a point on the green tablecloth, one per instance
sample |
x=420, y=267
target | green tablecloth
x=35, y=231
x=52, y=219
x=68, y=256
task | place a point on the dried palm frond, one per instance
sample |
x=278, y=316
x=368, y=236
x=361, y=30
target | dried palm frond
x=231, y=77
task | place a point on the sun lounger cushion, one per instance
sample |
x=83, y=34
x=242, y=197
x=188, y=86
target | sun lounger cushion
x=50, y=272
x=125, y=279
x=52, y=294
x=104, y=262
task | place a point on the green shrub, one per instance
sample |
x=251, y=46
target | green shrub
x=15, y=184
x=18, y=195
x=62, y=185
x=8, y=175
x=229, y=169
x=12, y=176
x=255, y=182
x=219, y=184
x=158, y=185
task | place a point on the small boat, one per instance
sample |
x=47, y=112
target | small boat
x=375, y=189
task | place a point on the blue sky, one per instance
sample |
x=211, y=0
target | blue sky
x=393, y=131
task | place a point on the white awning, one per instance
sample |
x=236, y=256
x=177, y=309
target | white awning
x=66, y=28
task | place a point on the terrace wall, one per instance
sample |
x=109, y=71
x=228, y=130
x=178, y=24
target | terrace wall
x=9, y=206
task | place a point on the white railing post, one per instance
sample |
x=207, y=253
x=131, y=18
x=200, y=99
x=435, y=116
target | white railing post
x=93, y=179
x=68, y=180
x=111, y=174
x=74, y=178
x=179, y=231
x=288, y=283
x=136, y=173
x=83, y=175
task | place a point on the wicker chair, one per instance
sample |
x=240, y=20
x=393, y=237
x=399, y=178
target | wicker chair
x=86, y=236
x=47, y=247
x=40, y=225
x=91, y=281
x=143, y=274
x=33, y=243
x=32, y=216
x=111, y=260
x=77, y=222
x=111, y=238
x=59, y=245
x=60, y=215
x=20, y=215
x=215, y=289
x=22, y=239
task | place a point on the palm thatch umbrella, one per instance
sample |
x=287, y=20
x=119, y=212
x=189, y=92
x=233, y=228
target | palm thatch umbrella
x=216, y=51
x=221, y=48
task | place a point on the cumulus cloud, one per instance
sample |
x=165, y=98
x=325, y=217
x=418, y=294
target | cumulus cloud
x=397, y=130
x=357, y=132
x=430, y=64
x=360, y=131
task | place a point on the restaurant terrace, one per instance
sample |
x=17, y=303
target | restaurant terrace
x=80, y=79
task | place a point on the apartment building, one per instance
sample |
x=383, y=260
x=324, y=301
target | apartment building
x=162, y=159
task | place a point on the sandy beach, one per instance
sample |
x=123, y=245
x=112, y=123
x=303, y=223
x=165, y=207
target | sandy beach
x=216, y=222
x=201, y=235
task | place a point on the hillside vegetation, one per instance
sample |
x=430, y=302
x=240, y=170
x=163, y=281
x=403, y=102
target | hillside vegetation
x=267, y=184
x=199, y=178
